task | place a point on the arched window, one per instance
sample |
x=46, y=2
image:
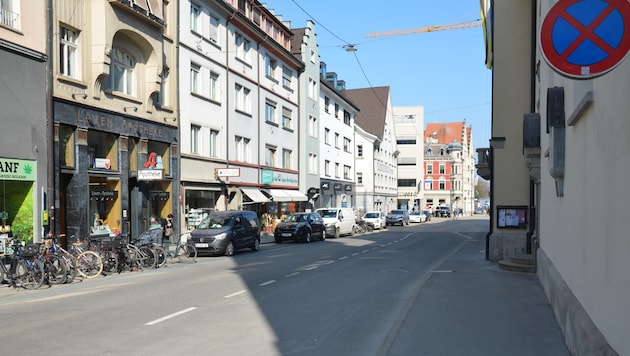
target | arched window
x=121, y=72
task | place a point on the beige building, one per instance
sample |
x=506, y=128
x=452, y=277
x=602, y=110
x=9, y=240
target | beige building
x=559, y=164
x=409, y=128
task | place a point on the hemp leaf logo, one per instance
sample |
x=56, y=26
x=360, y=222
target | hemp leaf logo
x=28, y=169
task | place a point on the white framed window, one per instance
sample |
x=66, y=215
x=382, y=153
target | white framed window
x=326, y=104
x=214, y=86
x=346, y=144
x=243, y=47
x=10, y=13
x=313, y=57
x=195, y=19
x=359, y=178
x=214, y=143
x=68, y=52
x=312, y=163
x=337, y=140
x=327, y=136
x=287, y=156
x=359, y=150
x=287, y=76
x=270, y=155
x=214, y=29
x=312, y=92
x=122, y=71
x=430, y=168
x=442, y=168
x=195, y=131
x=327, y=168
x=195, y=84
x=312, y=126
x=442, y=184
x=270, y=112
x=242, y=99
x=346, y=172
x=271, y=66
x=337, y=170
x=287, y=118
x=242, y=149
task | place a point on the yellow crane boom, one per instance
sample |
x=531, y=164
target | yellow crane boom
x=411, y=31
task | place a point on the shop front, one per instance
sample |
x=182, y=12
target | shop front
x=336, y=194
x=17, y=199
x=113, y=173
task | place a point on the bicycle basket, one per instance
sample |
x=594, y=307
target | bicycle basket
x=30, y=250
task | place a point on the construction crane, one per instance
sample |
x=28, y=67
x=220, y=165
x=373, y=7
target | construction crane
x=411, y=31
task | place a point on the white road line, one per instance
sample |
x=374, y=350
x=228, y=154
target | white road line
x=235, y=294
x=343, y=258
x=267, y=283
x=292, y=274
x=170, y=316
x=364, y=251
x=310, y=268
x=355, y=254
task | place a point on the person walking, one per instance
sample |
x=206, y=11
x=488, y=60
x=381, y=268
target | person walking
x=167, y=229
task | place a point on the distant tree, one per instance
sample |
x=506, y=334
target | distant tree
x=482, y=189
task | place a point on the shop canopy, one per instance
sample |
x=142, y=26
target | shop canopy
x=281, y=195
x=255, y=195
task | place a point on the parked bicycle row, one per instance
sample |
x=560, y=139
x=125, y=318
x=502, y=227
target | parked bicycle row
x=32, y=266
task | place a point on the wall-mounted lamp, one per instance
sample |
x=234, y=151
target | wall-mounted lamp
x=170, y=119
x=79, y=95
x=131, y=108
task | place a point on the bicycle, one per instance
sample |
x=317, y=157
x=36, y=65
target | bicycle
x=182, y=250
x=55, y=267
x=89, y=263
x=68, y=259
x=25, y=271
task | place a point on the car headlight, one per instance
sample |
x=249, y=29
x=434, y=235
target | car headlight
x=220, y=236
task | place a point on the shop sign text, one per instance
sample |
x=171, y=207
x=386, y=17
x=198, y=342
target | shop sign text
x=17, y=169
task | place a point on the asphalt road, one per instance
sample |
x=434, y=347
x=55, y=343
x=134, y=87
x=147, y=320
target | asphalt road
x=346, y=296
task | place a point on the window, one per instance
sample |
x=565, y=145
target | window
x=406, y=140
x=312, y=163
x=406, y=183
x=336, y=140
x=442, y=184
x=242, y=149
x=68, y=52
x=336, y=110
x=214, y=29
x=287, y=118
x=359, y=150
x=214, y=86
x=243, y=47
x=312, y=91
x=346, y=172
x=242, y=99
x=287, y=75
x=312, y=126
x=194, y=78
x=102, y=150
x=346, y=117
x=194, y=138
x=270, y=112
x=9, y=15
x=442, y=168
x=121, y=71
x=406, y=161
x=270, y=156
x=326, y=103
x=429, y=152
x=327, y=136
x=430, y=168
x=359, y=178
x=270, y=67
x=214, y=143
x=286, y=159
x=195, y=18
x=327, y=168
x=337, y=170
x=346, y=144
x=428, y=184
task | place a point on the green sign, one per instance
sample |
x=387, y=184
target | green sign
x=266, y=176
x=18, y=169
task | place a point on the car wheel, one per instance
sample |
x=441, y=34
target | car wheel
x=256, y=245
x=278, y=241
x=324, y=235
x=229, y=249
x=352, y=231
x=336, y=233
x=307, y=236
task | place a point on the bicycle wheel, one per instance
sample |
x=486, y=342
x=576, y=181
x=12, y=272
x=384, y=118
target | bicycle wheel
x=160, y=256
x=71, y=267
x=29, y=274
x=89, y=264
x=56, y=269
x=110, y=261
x=192, y=253
x=148, y=257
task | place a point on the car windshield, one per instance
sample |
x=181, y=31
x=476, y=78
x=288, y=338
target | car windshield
x=328, y=213
x=371, y=215
x=414, y=213
x=295, y=218
x=215, y=221
x=397, y=212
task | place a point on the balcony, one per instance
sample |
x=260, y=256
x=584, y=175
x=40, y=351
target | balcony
x=8, y=18
x=483, y=163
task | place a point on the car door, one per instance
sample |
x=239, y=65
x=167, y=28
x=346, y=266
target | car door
x=317, y=224
x=240, y=232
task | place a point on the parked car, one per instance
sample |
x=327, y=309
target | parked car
x=300, y=227
x=397, y=217
x=377, y=218
x=225, y=232
x=417, y=217
x=428, y=214
x=338, y=221
x=444, y=212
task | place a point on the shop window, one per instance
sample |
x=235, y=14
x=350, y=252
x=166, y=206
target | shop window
x=66, y=146
x=103, y=151
x=105, y=206
x=159, y=156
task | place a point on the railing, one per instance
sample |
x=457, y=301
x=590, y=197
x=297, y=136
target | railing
x=8, y=18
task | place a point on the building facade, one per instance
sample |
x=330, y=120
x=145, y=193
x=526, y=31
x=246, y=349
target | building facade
x=365, y=165
x=409, y=128
x=24, y=144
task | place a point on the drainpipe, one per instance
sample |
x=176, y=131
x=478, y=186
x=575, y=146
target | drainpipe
x=532, y=108
x=51, y=200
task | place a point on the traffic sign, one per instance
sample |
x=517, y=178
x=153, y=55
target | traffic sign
x=586, y=38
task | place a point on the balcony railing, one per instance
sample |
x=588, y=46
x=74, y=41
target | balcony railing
x=8, y=18
x=483, y=163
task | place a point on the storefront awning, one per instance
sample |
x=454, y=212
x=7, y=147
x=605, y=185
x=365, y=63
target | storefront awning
x=255, y=195
x=281, y=195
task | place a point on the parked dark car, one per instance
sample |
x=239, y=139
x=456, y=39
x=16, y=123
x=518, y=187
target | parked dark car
x=428, y=214
x=444, y=211
x=397, y=217
x=300, y=227
x=224, y=232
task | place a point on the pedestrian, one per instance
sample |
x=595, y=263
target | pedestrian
x=167, y=228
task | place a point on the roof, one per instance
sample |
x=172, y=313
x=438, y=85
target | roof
x=296, y=41
x=446, y=133
x=373, y=105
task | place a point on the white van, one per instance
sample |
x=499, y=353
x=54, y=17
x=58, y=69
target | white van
x=338, y=221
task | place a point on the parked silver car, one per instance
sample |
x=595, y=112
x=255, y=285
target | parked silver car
x=397, y=217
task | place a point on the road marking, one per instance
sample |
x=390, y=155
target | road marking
x=442, y=271
x=310, y=268
x=343, y=258
x=292, y=274
x=355, y=254
x=267, y=283
x=364, y=251
x=235, y=294
x=170, y=316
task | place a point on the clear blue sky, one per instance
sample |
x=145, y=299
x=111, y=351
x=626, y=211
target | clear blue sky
x=443, y=71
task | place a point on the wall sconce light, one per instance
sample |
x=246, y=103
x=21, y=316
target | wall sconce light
x=131, y=108
x=79, y=95
x=170, y=119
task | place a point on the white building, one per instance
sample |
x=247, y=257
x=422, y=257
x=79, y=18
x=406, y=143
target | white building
x=377, y=118
x=365, y=165
x=409, y=127
x=337, y=115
